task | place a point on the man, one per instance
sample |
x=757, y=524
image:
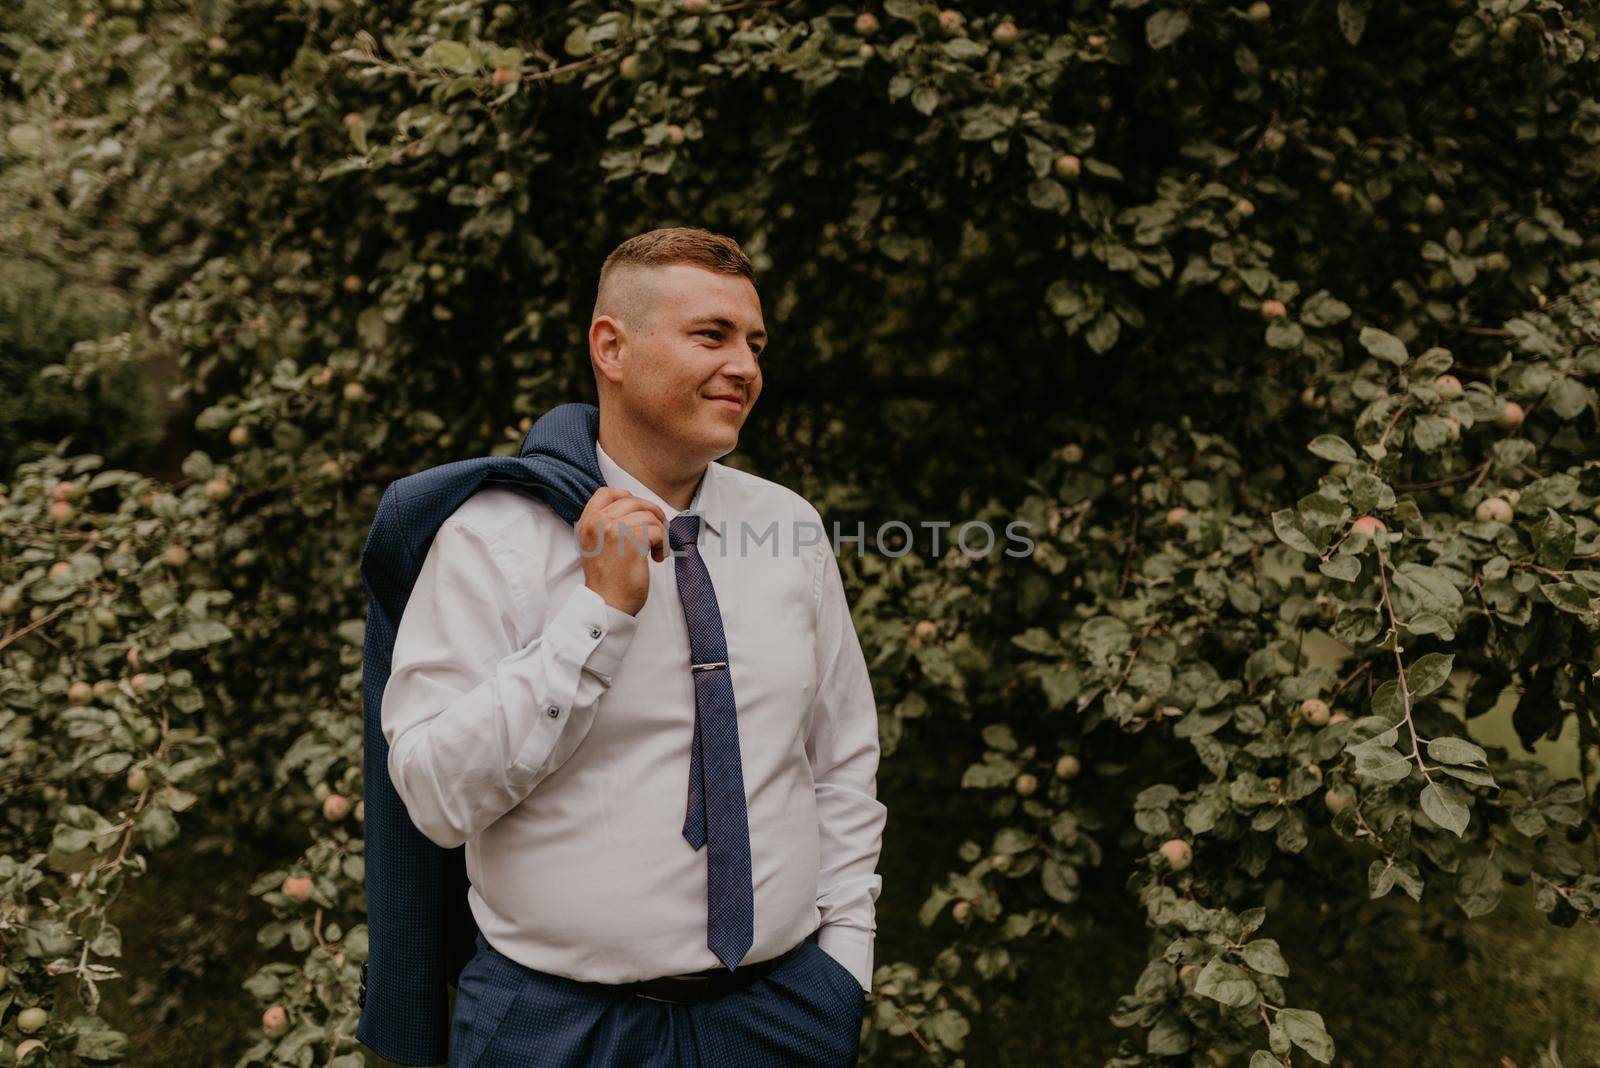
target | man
x=654, y=731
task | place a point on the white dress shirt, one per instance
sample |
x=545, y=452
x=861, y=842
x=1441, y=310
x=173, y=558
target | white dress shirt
x=550, y=733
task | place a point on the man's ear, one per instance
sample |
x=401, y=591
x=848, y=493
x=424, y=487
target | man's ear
x=607, y=346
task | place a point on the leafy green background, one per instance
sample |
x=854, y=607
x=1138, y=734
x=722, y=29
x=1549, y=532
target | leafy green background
x=1279, y=324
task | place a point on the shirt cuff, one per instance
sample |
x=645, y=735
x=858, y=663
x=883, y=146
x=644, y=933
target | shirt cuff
x=591, y=633
x=851, y=947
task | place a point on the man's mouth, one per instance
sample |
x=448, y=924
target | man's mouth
x=728, y=400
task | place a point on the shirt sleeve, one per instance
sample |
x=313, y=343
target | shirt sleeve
x=843, y=750
x=474, y=718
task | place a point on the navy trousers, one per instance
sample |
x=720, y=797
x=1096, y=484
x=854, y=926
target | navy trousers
x=805, y=1012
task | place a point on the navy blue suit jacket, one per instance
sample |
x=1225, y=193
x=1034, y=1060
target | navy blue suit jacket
x=420, y=931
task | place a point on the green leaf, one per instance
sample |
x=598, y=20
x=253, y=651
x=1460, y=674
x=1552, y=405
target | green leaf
x=201, y=633
x=1060, y=881
x=1567, y=596
x=1555, y=539
x=999, y=736
x=110, y=763
x=928, y=912
x=1343, y=568
x=1430, y=432
x=1224, y=982
x=1381, y=734
x=1381, y=764
x=1410, y=879
x=1430, y=623
x=1201, y=816
x=963, y=48
x=1284, y=334
x=1384, y=345
x=1568, y=397
x=1037, y=640
x=1476, y=776
x=1352, y=20
x=451, y=55
x=984, y=121
x=1169, y=1036
x=1479, y=885
x=1381, y=877
x=1264, y=956
x=1443, y=805
x=1334, y=448
x=1456, y=751
x=1047, y=194
x=949, y=1028
x=371, y=327
x=1429, y=673
x=1306, y=1030
x=1103, y=332
x=1556, y=491
x=1283, y=524
x=1105, y=638
x=101, y=1044
x=1013, y=840
x=987, y=776
x=577, y=42
x=1429, y=588
x=1060, y=685
x=71, y=840
x=26, y=138
x=1165, y=27
x=158, y=826
x=1100, y=168
x=1323, y=309
x=1468, y=38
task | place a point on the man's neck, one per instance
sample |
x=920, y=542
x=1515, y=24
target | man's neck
x=673, y=483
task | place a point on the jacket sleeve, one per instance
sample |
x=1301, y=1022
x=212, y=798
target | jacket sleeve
x=476, y=718
x=843, y=750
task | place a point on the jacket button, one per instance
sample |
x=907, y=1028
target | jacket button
x=553, y=711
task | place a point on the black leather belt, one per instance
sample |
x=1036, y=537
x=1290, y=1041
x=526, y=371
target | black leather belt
x=704, y=986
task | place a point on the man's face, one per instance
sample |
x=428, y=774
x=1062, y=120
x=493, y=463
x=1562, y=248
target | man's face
x=691, y=376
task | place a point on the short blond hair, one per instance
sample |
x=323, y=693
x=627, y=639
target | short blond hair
x=631, y=303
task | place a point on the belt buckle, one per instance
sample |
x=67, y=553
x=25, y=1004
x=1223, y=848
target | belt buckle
x=674, y=979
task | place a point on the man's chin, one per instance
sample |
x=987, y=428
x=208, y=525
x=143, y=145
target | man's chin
x=721, y=440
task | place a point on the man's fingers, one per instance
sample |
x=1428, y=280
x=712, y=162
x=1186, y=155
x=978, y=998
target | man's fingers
x=640, y=527
x=613, y=512
x=620, y=503
x=604, y=496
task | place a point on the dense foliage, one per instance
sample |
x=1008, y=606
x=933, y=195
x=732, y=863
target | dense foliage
x=1280, y=325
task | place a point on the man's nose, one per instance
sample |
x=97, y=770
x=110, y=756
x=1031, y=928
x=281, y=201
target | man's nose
x=744, y=364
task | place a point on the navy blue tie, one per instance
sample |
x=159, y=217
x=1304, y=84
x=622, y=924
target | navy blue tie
x=717, y=818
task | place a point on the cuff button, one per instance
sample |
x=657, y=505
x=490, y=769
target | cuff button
x=594, y=632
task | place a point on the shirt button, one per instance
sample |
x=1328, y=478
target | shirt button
x=594, y=632
x=553, y=711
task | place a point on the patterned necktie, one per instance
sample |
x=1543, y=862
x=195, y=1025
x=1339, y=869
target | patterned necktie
x=717, y=817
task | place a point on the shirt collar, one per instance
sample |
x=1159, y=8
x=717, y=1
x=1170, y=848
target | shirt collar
x=705, y=494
